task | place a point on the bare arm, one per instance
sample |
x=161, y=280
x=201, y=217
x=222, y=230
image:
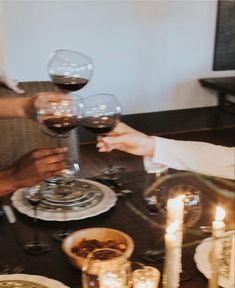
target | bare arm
x=25, y=107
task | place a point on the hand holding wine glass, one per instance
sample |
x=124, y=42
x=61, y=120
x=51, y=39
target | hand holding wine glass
x=101, y=114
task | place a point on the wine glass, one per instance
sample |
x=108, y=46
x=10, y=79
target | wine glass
x=35, y=247
x=171, y=186
x=155, y=172
x=105, y=268
x=58, y=116
x=70, y=70
x=101, y=114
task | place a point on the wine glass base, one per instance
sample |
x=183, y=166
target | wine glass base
x=113, y=172
x=36, y=248
x=153, y=256
x=4, y=268
x=185, y=276
x=61, y=235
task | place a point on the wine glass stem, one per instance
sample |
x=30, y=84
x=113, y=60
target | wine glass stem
x=109, y=161
x=62, y=142
x=35, y=220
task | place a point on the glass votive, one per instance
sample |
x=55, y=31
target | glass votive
x=146, y=277
x=104, y=268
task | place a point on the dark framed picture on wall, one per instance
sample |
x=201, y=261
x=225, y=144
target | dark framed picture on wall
x=224, y=49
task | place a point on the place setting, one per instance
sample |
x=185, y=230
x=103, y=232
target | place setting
x=69, y=197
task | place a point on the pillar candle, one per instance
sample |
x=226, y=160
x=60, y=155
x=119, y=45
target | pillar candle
x=175, y=210
x=232, y=265
x=218, y=229
x=173, y=256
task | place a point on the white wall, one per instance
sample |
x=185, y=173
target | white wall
x=1, y=35
x=149, y=53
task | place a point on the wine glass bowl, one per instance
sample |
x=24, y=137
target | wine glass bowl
x=60, y=115
x=101, y=114
x=156, y=197
x=70, y=70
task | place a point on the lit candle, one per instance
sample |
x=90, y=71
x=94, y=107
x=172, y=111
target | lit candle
x=218, y=226
x=231, y=280
x=110, y=280
x=148, y=277
x=218, y=229
x=175, y=210
x=173, y=256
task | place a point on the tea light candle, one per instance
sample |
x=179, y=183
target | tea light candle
x=173, y=256
x=231, y=280
x=110, y=280
x=148, y=277
x=144, y=284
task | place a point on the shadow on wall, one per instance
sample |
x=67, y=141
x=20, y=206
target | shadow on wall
x=190, y=94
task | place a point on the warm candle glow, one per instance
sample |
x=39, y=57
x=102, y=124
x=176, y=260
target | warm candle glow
x=220, y=214
x=180, y=197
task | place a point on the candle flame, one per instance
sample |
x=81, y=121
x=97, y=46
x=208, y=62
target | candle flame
x=173, y=227
x=220, y=214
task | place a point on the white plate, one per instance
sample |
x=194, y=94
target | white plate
x=51, y=213
x=29, y=281
x=202, y=259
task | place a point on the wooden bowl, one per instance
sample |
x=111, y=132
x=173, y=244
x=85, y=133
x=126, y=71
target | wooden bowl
x=100, y=234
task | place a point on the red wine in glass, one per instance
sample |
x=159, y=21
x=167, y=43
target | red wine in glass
x=70, y=70
x=61, y=125
x=100, y=125
x=68, y=83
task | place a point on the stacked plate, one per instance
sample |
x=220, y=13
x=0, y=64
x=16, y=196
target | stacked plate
x=85, y=198
x=76, y=193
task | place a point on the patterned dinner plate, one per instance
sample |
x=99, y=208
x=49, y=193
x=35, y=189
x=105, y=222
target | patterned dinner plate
x=28, y=281
x=100, y=200
x=74, y=191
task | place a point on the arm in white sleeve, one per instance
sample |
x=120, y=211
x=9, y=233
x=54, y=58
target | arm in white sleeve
x=200, y=157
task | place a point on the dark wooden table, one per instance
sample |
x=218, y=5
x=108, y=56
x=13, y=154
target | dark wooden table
x=56, y=265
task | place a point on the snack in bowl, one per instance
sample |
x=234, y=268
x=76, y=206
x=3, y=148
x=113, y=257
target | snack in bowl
x=80, y=243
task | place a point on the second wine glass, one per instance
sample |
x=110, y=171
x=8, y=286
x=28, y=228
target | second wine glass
x=101, y=114
x=70, y=70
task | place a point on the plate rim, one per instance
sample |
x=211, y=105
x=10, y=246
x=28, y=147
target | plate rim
x=38, y=279
x=108, y=201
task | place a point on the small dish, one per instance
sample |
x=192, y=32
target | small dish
x=100, y=234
